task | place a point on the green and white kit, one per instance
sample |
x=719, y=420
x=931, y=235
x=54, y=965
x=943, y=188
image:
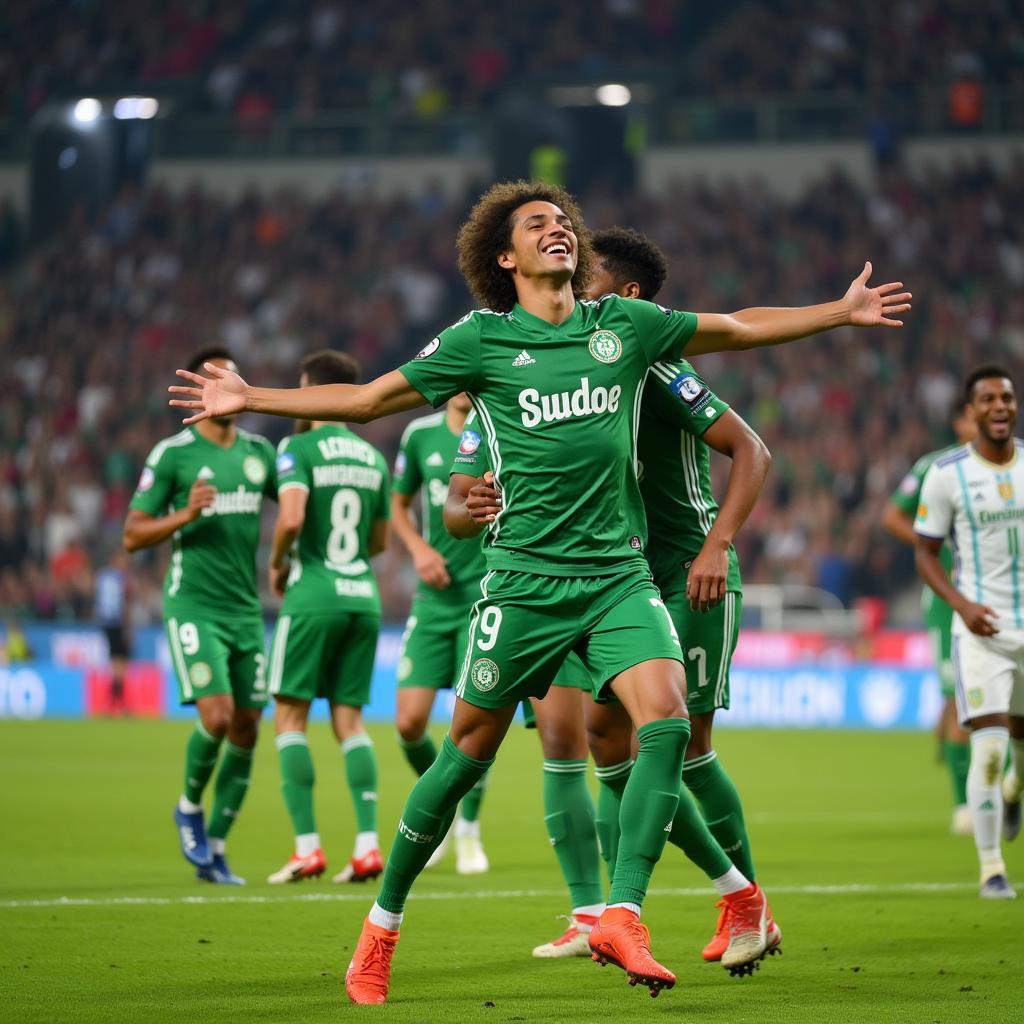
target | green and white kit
x=211, y=605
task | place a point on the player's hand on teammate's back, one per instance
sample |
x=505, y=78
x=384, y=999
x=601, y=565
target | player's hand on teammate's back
x=706, y=581
x=220, y=394
x=875, y=307
x=432, y=567
x=979, y=618
x=483, y=502
x=201, y=495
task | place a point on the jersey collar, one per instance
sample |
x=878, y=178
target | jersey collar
x=999, y=467
x=536, y=322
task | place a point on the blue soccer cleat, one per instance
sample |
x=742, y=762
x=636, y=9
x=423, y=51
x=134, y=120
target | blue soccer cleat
x=218, y=872
x=192, y=836
x=997, y=888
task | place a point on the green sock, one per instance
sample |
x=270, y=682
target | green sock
x=958, y=759
x=649, y=804
x=200, y=757
x=611, y=782
x=419, y=753
x=229, y=789
x=361, y=772
x=425, y=820
x=297, y=780
x=720, y=805
x=469, y=809
x=690, y=833
x=569, y=818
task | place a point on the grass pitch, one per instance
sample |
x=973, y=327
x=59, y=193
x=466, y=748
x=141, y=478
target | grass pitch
x=100, y=919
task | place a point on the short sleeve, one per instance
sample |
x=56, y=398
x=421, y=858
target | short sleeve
x=408, y=476
x=663, y=333
x=292, y=468
x=935, y=507
x=907, y=494
x=449, y=364
x=155, y=488
x=682, y=399
x=472, y=456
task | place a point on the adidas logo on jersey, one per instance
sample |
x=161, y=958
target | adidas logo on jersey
x=565, y=405
x=205, y=473
x=523, y=359
x=435, y=460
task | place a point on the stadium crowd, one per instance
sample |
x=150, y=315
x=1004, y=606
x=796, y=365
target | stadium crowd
x=93, y=326
x=252, y=57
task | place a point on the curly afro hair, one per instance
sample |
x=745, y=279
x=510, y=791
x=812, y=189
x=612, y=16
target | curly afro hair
x=629, y=256
x=488, y=233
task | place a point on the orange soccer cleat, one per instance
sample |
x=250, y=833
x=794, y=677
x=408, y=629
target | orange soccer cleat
x=752, y=931
x=369, y=971
x=297, y=868
x=619, y=938
x=719, y=942
x=361, y=869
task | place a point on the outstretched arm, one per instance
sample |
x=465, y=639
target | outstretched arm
x=732, y=436
x=224, y=393
x=861, y=306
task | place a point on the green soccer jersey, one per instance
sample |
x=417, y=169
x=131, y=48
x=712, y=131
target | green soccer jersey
x=559, y=406
x=674, y=468
x=675, y=473
x=213, y=560
x=906, y=498
x=347, y=481
x=422, y=465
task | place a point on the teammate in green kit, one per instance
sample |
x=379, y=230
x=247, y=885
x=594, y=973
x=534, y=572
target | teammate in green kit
x=556, y=384
x=333, y=520
x=692, y=559
x=898, y=519
x=203, y=489
x=437, y=630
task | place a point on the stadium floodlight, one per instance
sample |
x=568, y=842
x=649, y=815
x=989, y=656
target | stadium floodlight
x=87, y=110
x=130, y=108
x=613, y=95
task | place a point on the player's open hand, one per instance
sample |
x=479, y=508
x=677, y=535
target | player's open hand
x=483, y=503
x=706, y=580
x=432, y=567
x=200, y=495
x=876, y=307
x=222, y=393
x=979, y=618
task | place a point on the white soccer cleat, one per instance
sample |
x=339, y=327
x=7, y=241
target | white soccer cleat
x=748, y=931
x=441, y=852
x=996, y=887
x=574, y=941
x=470, y=858
x=961, y=824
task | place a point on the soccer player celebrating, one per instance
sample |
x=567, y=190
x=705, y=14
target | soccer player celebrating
x=203, y=489
x=898, y=519
x=556, y=384
x=970, y=497
x=696, y=569
x=333, y=490
x=435, y=635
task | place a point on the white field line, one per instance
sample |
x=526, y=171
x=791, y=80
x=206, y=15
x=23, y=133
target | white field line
x=489, y=894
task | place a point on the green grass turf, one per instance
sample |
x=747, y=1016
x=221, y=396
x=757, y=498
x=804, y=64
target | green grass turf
x=86, y=813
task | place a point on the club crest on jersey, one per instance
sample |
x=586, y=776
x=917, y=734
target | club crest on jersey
x=1006, y=490
x=254, y=469
x=146, y=480
x=485, y=674
x=605, y=346
x=429, y=349
x=469, y=442
x=687, y=388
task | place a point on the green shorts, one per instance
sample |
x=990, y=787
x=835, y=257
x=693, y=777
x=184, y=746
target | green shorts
x=709, y=640
x=218, y=656
x=433, y=644
x=328, y=656
x=573, y=674
x=526, y=624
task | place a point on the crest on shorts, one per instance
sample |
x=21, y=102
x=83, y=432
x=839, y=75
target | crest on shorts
x=605, y=346
x=254, y=469
x=201, y=674
x=485, y=674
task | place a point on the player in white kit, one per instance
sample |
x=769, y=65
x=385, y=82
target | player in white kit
x=974, y=496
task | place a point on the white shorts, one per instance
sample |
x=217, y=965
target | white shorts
x=989, y=672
